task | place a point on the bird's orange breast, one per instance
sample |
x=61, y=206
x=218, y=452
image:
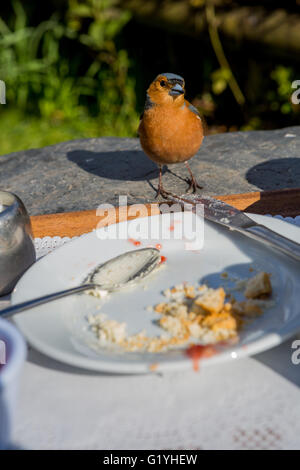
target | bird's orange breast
x=170, y=134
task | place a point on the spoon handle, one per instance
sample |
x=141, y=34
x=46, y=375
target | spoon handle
x=21, y=307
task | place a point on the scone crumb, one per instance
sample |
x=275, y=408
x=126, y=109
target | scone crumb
x=159, y=308
x=190, y=313
x=258, y=285
x=189, y=292
x=211, y=301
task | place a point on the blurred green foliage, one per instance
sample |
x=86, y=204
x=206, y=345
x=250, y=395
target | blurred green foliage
x=280, y=99
x=52, y=98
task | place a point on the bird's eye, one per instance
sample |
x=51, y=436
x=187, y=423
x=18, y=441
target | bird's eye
x=163, y=83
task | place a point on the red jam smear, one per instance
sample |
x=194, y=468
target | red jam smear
x=163, y=259
x=197, y=352
x=134, y=242
x=158, y=246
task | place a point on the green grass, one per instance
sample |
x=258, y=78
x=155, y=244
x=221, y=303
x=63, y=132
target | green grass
x=65, y=78
x=20, y=132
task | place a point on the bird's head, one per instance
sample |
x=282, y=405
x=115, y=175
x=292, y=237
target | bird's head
x=167, y=88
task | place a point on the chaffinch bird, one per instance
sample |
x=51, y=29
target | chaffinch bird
x=170, y=129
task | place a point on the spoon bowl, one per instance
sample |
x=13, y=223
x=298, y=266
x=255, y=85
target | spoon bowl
x=125, y=269
x=121, y=271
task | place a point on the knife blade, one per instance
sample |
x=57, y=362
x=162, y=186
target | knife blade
x=228, y=216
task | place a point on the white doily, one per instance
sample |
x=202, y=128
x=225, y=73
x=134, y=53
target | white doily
x=45, y=245
x=253, y=403
x=291, y=220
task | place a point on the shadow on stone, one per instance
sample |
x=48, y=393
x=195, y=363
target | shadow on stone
x=131, y=165
x=275, y=174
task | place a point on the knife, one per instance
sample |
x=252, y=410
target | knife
x=228, y=216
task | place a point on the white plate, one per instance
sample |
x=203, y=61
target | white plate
x=60, y=330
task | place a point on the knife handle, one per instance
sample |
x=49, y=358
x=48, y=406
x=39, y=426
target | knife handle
x=274, y=240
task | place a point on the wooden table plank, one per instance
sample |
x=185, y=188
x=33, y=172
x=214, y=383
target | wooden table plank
x=285, y=202
x=70, y=224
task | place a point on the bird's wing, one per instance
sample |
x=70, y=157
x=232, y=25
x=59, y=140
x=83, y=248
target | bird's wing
x=193, y=109
x=148, y=104
x=141, y=117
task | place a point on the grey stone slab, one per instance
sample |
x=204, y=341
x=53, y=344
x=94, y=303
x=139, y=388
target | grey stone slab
x=81, y=174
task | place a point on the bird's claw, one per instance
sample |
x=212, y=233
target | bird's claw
x=193, y=186
x=162, y=192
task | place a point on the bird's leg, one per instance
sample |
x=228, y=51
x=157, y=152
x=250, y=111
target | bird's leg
x=192, y=182
x=160, y=189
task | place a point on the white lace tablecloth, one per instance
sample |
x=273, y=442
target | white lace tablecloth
x=253, y=403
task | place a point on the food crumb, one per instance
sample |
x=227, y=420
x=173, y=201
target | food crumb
x=188, y=314
x=258, y=285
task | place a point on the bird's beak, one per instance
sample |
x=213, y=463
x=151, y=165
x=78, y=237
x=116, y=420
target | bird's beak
x=176, y=90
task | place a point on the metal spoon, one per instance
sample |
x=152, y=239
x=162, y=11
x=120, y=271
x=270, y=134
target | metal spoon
x=124, y=270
